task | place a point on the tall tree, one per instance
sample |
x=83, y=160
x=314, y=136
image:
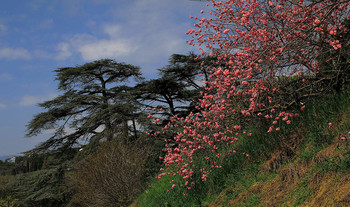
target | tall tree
x=178, y=88
x=188, y=69
x=95, y=104
x=166, y=93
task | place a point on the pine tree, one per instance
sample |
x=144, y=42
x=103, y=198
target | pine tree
x=95, y=104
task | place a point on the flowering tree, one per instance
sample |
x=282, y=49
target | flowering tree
x=275, y=55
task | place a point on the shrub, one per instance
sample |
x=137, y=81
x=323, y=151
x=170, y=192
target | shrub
x=111, y=176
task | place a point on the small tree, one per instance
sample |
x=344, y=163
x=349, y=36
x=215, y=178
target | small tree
x=95, y=104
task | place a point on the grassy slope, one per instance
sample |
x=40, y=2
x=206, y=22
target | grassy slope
x=304, y=164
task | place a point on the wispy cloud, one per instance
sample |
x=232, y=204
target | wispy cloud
x=64, y=51
x=3, y=28
x=5, y=77
x=14, y=53
x=30, y=100
x=2, y=106
x=46, y=24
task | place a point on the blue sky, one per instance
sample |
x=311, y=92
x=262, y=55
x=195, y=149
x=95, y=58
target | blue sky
x=39, y=36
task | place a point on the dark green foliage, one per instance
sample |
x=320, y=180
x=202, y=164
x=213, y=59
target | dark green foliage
x=187, y=69
x=4, y=179
x=168, y=93
x=176, y=92
x=44, y=185
x=5, y=168
x=95, y=104
x=40, y=188
x=178, y=88
x=22, y=164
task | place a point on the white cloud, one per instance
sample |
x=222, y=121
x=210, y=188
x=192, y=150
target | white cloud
x=106, y=49
x=91, y=48
x=144, y=33
x=14, y=53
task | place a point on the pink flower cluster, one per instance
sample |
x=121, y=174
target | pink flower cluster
x=254, y=43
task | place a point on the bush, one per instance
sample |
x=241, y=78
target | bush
x=111, y=176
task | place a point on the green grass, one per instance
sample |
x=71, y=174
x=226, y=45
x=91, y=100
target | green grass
x=318, y=114
x=302, y=192
x=254, y=200
x=340, y=164
x=243, y=171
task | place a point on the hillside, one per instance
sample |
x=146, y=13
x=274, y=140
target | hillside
x=322, y=179
x=307, y=163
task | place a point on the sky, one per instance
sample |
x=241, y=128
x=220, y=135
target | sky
x=39, y=36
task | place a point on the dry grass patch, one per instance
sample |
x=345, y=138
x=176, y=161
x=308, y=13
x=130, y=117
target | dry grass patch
x=331, y=189
x=298, y=183
x=287, y=150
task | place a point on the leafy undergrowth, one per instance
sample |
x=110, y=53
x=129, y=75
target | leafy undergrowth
x=306, y=163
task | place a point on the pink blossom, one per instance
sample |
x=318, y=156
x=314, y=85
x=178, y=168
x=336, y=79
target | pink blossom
x=263, y=36
x=317, y=21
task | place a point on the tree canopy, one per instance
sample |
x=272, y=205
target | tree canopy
x=95, y=104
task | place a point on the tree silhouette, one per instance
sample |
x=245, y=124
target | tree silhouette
x=95, y=104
